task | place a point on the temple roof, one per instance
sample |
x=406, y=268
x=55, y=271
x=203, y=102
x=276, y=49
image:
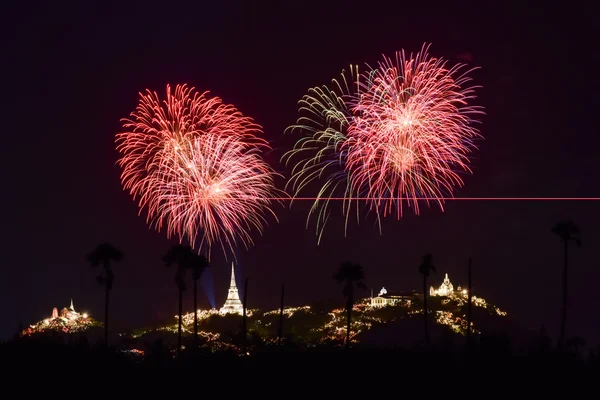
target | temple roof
x=392, y=294
x=397, y=294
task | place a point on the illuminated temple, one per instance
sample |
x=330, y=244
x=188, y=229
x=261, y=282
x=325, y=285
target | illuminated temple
x=232, y=305
x=445, y=288
x=66, y=320
x=68, y=313
x=384, y=298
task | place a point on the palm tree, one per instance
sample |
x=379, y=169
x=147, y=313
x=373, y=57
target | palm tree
x=350, y=275
x=197, y=264
x=181, y=256
x=103, y=255
x=424, y=268
x=567, y=231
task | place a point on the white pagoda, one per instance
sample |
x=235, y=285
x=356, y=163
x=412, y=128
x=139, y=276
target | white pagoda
x=445, y=289
x=233, y=304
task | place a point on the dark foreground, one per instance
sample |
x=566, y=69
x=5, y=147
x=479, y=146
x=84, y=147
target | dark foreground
x=44, y=367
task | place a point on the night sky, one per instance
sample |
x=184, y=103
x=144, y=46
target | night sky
x=71, y=72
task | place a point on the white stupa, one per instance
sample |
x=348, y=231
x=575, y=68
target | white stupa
x=232, y=304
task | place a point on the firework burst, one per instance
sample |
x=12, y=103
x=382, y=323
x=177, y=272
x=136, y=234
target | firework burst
x=317, y=155
x=412, y=131
x=399, y=132
x=196, y=166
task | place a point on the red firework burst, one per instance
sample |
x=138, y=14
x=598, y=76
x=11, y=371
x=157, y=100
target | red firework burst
x=411, y=133
x=196, y=166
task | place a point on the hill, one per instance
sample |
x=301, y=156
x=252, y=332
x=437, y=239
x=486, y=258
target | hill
x=386, y=320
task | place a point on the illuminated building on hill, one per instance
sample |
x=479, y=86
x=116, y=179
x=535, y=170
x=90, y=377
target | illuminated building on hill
x=232, y=305
x=67, y=320
x=68, y=313
x=387, y=299
x=445, y=289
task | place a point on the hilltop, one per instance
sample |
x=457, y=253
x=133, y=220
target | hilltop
x=388, y=319
x=67, y=321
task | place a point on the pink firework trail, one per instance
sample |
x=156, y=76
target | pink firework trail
x=412, y=131
x=196, y=166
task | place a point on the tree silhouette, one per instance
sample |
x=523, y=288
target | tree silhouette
x=180, y=255
x=424, y=268
x=351, y=275
x=469, y=302
x=575, y=343
x=280, y=328
x=245, y=318
x=197, y=264
x=103, y=255
x=567, y=231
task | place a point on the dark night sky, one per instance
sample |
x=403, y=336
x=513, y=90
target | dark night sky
x=71, y=72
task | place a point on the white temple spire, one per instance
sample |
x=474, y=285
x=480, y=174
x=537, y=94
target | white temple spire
x=72, y=308
x=445, y=289
x=233, y=303
x=233, y=283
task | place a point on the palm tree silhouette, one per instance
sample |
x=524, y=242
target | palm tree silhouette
x=197, y=264
x=350, y=275
x=424, y=268
x=180, y=255
x=567, y=231
x=102, y=256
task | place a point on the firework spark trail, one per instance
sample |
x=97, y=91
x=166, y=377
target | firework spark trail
x=412, y=131
x=221, y=190
x=196, y=166
x=317, y=155
x=402, y=130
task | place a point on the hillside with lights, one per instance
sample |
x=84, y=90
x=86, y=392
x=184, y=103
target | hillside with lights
x=388, y=319
x=66, y=321
x=384, y=326
x=385, y=319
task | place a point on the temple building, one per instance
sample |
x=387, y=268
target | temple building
x=232, y=305
x=388, y=299
x=66, y=320
x=445, y=288
x=69, y=313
